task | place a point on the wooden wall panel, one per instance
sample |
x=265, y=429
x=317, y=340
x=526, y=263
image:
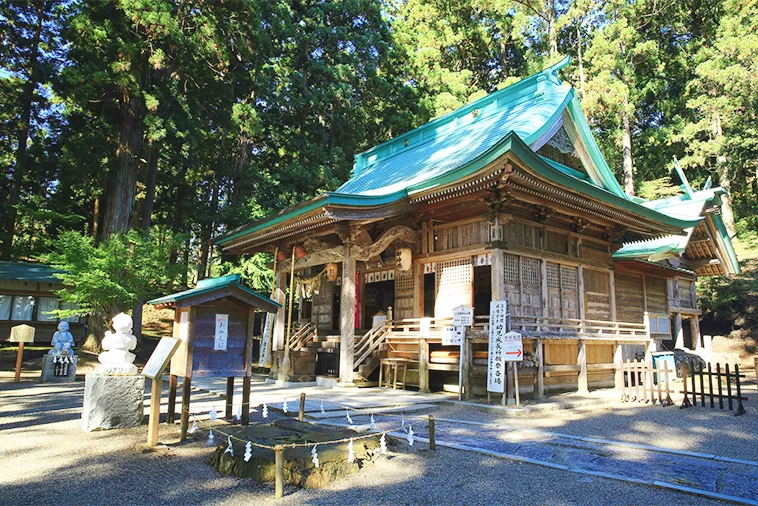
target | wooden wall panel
x=210, y=362
x=454, y=285
x=657, y=295
x=597, y=295
x=512, y=283
x=630, y=306
x=405, y=289
x=599, y=353
x=563, y=291
x=531, y=282
x=557, y=353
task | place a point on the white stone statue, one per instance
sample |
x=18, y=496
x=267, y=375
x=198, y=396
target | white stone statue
x=117, y=360
x=63, y=341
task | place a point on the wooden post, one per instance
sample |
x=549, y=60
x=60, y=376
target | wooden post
x=740, y=407
x=155, y=411
x=432, y=440
x=171, y=412
x=636, y=376
x=245, y=401
x=710, y=383
x=280, y=296
x=694, y=386
x=649, y=378
x=229, y=397
x=678, y=331
x=467, y=368
x=686, y=401
x=462, y=368
x=729, y=389
x=612, y=279
x=19, y=358
x=618, y=360
x=658, y=382
x=540, y=369
x=718, y=379
x=285, y=369
x=186, y=390
x=279, y=472
x=515, y=384
x=581, y=360
x=301, y=411
x=347, y=318
x=423, y=365
x=669, y=401
x=702, y=389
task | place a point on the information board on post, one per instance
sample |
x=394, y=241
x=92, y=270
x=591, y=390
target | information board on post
x=463, y=316
x=160, y=357
x=265, y=357
x=496, y=351
x=513, y=347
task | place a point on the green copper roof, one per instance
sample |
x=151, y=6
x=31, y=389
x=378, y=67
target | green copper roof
x=30, y=272
x=210, y=285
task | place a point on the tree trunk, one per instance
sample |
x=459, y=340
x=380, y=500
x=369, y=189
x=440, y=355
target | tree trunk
x=205, y=241
x=150, y=182
x=17, y=175
x=627, y=146
x=725, y=181
x=581, y=60
x=121, y=187
x=552, y=31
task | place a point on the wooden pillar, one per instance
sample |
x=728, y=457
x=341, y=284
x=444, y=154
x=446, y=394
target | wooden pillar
x=695, y=331
x=423, y=365
x=580, y=279
x=612, y=278
x=581, y=361
x=497, y=284
x=467, y=361
x=279, y=320
x=229, y=397
x=186, y=390
x=678, y=331
x=155, y=411
x=171, y=412
x=543, y=288
x=347, y=318
x=540, y=350
x=245, y=400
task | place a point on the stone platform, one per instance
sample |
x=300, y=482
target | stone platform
x=113, y=402
x=48, y=369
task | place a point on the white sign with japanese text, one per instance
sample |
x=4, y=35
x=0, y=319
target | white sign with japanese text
x=463, y=316
x=496, y=357
x=265, y=356
x=453, y=336
x=222, y=332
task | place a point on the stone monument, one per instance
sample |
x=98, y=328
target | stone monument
x=114, y=393
x=59, y=365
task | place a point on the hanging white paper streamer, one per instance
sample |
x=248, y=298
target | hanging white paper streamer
x=402, y=423
x=284, y=406
x=350, y=453
x=265, y=411
x=210, y=437
x=410, y=435
x=239, y=413
x=230, y=448
x=372, y=425
x=315, y=456
x=213, y=414
x=322, y=406
x=347, y=414
x=383, y=445
x=248, y=451
x=194, y=427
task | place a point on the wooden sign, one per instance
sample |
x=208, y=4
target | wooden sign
x=265, y=355
x=463, y=316
x=222, y=332
x=513, y=349
x=496, y=355
x=22, y=334
x=453, y=336
x=160, y=357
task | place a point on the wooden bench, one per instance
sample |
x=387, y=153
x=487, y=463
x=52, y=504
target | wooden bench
x=393, y=365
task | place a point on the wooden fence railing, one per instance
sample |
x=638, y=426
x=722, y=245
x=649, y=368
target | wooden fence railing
x=691, y=388
x=302, y=337
x=370, y=342
x=640, y=381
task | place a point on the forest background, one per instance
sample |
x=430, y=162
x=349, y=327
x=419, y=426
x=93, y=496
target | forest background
x=134, y=132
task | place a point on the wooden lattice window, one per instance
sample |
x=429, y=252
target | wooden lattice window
x=530, y=274
x=405, y=280
x=520, y=234
x=510, y=269
x=455, y=286
x=569, y=278
x=553, y=276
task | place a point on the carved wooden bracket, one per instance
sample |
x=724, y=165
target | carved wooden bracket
x=398, y=232
x=544, y=213
x=581, y=225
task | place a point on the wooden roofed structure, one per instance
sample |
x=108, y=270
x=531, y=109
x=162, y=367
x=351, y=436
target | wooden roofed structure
x=507, y=198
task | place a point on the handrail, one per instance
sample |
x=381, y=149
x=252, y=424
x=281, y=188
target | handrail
x=370, y=342
x=302, y=336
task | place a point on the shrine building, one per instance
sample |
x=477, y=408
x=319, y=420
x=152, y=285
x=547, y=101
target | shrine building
x=507, y=198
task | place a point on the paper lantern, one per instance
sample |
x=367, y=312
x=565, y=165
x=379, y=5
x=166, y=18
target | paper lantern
x=281, y=256
x=403, y=259
x=331, y=272
x=300, y=251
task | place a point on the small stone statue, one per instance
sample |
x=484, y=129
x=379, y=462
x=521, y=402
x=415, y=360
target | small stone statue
x=117, y=360
x=63, y=341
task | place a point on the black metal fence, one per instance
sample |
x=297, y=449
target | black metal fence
x=327, y=363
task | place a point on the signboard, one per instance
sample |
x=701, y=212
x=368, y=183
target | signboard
x=496, y=350
x=184, y=325
x=222, y=332
x=160, y=357
x=265, y=356
x=513, y=349
x=453, y=336
x=22, y=334
x=463, y=316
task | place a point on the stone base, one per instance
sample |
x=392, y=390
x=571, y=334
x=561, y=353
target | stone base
x=113, y=402
x=48, y=370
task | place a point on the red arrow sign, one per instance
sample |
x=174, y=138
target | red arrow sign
x=517, y=353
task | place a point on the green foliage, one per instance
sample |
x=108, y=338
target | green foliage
x=255, y=270
x=104, y=279
x=655, y=189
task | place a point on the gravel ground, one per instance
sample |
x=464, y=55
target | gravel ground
x=697, y=429
x=47, y=459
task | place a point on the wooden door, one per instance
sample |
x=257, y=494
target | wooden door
x=531, y=287
x=563, y=291
x=404, y=293
x=597, y=295
x=455, y=286
x=512, y=283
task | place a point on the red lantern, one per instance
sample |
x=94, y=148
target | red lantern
x=281, y=256
x=300, y=251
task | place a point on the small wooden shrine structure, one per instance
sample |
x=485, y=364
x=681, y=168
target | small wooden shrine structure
x=214, y=321
x=507, y=198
